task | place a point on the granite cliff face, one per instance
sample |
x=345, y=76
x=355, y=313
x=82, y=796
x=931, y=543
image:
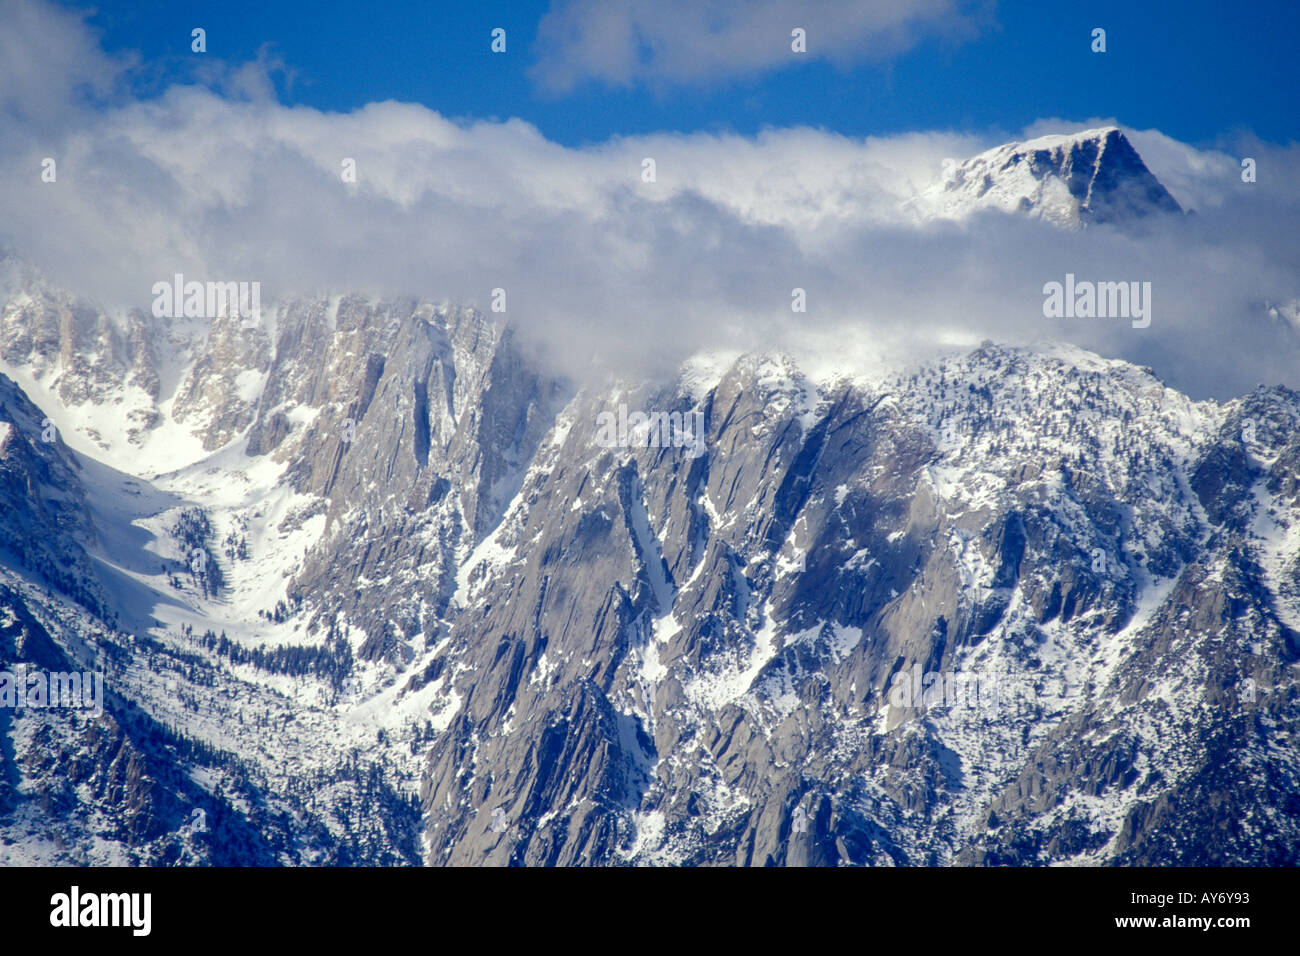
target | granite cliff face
x=711, y=643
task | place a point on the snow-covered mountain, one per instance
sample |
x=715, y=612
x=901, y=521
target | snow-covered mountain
x=369, y=586
x=1090, y=177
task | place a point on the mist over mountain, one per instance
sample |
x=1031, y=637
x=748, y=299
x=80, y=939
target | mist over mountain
x=600, y=267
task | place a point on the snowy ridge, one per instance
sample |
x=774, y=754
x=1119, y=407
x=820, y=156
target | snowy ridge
x=1069, y=180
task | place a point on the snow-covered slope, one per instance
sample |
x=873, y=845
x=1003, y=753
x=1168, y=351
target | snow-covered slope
x=1090, y=177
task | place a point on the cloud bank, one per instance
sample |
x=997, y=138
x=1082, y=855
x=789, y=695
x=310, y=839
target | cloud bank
x=601, y=268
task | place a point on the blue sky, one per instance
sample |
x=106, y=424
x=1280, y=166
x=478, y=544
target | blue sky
x=1196, y=70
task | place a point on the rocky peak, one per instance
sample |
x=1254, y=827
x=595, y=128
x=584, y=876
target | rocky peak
x=1079, y=179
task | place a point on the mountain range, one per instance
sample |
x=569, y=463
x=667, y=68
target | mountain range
x=367, y=587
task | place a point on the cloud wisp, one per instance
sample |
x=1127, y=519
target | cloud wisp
x=687, y=42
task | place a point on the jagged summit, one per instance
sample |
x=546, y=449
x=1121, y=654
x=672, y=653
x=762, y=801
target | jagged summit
x=1077, y=179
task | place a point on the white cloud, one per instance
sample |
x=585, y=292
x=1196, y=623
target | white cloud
x=621, y=42
x=603, y=269
x=51, y=64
